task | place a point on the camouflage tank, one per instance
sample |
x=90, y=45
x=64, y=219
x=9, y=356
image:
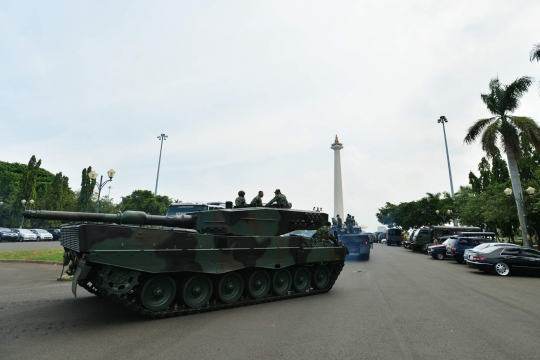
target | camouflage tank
x=206, y=261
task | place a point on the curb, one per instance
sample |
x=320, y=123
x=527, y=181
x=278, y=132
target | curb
x=32, y=262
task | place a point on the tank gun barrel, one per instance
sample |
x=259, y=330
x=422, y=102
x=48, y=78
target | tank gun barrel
x=127, y=217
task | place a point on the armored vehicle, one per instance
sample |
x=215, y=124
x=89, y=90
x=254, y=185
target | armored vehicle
x=357, y=242
x=208, y=260
x=393, y=236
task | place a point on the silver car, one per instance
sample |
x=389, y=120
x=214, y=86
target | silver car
x=42, y=235
x=25, y=235
x=485, y=246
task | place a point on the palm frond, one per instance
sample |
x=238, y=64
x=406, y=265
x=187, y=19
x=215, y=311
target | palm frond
x=535, y=53
x=510, y=138
x=492, y=99
x=476, y=129
x=530, y=131
x=489, y=139
x=514, y=92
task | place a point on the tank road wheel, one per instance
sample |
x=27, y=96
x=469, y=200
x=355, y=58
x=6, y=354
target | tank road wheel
x=119, y=281
x=158, y=293
x=230, y=288
x=321, y=277
x=301, y=279
x=281, y=282
x=258, y=284
x=197, y=291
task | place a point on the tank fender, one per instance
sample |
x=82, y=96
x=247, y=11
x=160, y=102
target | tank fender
x=80, y=274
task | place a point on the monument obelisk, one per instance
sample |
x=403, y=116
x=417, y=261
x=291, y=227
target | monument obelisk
x=338, y=190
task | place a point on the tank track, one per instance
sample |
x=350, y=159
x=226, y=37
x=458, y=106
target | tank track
x=171, y=312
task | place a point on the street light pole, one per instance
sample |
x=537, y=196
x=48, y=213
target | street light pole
x=25, y=203
x=161, y=138
x=93, y=175
x=443, y=120
x=2, y=213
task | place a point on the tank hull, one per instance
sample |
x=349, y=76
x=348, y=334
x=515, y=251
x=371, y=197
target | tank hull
x=101, y=254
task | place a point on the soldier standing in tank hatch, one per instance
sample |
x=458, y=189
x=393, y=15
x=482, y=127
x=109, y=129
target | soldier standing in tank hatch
x=257, y=200
x=280, y=200
x=334, y=222
x=240, y=202
x=339, y=221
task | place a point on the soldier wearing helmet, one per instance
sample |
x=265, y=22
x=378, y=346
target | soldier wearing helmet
x=240, y=201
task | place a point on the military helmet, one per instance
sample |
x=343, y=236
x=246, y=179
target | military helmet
x=277, y=191
x=241, y=193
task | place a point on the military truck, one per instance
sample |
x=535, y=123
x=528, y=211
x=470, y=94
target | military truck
x=208, y=260
x=357, y=242
x=423, y=237
x=393, y=237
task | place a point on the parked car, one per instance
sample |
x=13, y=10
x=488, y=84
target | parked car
x=506, y=260
x=438, y=251
x=485, y=246
x=56, y=233
x=8, y=235
x=42, y=235
x=25, y=235
x=456, y=246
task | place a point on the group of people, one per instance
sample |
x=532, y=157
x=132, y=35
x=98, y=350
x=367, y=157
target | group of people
x=349, y=222
x=278, y=201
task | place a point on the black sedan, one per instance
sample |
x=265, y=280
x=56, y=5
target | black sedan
x=505, y=261
x=56, y=233
x=8, y=235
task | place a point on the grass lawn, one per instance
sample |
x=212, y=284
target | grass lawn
x=44, y=254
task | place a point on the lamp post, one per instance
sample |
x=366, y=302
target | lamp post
x=449, y=212
x=93, y=175
x=25, y=203
x=160, y=138
x=530, y=190
x=443, y=120
x=1, y=212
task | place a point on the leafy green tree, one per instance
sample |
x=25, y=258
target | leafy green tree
x=511, y=130
x=84, y=202
x=108, y=206
x=144, y=200
x=418, y=213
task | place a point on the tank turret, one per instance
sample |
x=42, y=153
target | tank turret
x=239, y=222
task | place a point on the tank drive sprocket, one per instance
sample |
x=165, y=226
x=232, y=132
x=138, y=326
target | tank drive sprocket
x=118, y=281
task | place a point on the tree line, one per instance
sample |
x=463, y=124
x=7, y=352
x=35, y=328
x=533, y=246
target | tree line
x=484, y=202
x=52, y=192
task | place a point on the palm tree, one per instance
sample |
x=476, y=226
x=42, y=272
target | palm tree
x=507, y=130
x=535, y=53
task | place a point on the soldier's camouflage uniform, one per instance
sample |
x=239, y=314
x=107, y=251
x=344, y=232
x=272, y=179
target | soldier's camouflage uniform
x=280, y=200
x=323, y=233
x=240, y=202
x=257, y=201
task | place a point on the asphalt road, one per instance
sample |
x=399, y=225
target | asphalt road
x=29, y=245
x=397, y=305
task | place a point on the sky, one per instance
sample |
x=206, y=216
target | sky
x=252, y=93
